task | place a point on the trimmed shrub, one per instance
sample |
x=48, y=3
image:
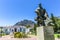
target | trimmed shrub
x=2, y=34
x=19, y=35
x=58, y=36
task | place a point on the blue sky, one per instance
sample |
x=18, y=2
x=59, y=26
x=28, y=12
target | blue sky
x=12, y=11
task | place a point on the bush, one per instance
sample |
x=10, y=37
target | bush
x=19, y=35
x=58, y=36
x=3, y=34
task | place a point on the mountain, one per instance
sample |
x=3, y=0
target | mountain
x=24, y=23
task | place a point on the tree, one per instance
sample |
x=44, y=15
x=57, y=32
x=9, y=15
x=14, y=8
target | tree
x=57, y=19
x=35, y=26
x=54, y=19
x=33, y=30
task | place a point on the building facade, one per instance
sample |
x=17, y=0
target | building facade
x=12, y=29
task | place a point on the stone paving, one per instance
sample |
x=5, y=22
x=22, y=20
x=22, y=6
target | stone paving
x=57, y=39
x=8, y=37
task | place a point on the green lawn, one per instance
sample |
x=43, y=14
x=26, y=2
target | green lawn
x=56, y=35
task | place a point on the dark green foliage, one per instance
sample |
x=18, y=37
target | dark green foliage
x=58, y=36
x=35, y=27
x=54, y=22
x=33, y=30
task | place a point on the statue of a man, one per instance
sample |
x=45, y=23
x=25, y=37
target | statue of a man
x=41, y=16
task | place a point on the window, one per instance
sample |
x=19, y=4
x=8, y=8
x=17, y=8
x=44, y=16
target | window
x=20, y=29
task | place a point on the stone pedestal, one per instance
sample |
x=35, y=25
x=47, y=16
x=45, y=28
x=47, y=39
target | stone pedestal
x=45, y=33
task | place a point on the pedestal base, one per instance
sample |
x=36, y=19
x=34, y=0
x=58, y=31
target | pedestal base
x=45, y=33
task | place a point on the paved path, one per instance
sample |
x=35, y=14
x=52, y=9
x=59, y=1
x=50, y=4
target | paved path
x=10, y=38
x=57, y=39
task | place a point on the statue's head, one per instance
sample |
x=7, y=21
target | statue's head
x=40, y=6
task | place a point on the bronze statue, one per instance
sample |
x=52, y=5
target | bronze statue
x=41, y=16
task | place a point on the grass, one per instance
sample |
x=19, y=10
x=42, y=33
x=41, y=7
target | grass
x=56, y=35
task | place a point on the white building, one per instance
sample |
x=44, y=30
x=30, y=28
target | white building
x=12, y=29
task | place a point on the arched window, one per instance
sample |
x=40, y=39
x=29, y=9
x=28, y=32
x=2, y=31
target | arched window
x=20, y=29
x=15, y=29
x=24, y=30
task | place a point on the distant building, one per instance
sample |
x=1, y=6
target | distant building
x=12, y=29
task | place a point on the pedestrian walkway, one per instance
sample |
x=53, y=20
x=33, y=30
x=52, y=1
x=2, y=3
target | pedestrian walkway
x=57, y=39
x=8, y=37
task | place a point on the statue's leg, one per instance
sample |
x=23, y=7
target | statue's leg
x=43, y=23
x=38, y=23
